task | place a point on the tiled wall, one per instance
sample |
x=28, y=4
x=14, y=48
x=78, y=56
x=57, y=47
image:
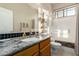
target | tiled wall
x=12, y=35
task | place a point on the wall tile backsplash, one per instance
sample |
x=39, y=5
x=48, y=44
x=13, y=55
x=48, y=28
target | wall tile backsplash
x=12, y=35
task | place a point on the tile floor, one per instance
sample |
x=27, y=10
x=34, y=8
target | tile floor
x=66, y=51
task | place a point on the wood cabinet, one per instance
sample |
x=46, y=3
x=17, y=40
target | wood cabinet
x=44, y=43
x=40, y=49
x=36, y=54
x=45, y=49
x=34, y=50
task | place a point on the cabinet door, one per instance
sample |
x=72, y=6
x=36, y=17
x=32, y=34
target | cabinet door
x=44, y=43
x=46, y=51
x=29, y=52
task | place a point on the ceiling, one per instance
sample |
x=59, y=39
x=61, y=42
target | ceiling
x=50, y=6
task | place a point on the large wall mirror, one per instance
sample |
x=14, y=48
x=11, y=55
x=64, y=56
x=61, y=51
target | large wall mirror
x=6, y=20
x=17, y=18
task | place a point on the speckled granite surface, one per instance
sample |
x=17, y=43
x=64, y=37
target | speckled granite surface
x=16, y=47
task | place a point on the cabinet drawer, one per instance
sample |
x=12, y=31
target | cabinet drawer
x=44, y=43
x=29, y=52
x=46, y=51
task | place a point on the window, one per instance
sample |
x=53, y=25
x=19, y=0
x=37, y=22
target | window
x=56, y=14
x=70, y=11
x=60, y=13
x=65, y=12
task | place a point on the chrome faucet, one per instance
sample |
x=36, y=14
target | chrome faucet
x=24, y=34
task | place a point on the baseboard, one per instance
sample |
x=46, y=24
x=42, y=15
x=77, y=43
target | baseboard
x=67, y=44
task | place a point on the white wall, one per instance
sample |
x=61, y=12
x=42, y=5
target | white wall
x=66, y=23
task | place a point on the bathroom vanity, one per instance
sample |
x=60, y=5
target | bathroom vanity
x=32, y=46
x=42, y=48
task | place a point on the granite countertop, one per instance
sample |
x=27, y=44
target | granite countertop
x=13, y=48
